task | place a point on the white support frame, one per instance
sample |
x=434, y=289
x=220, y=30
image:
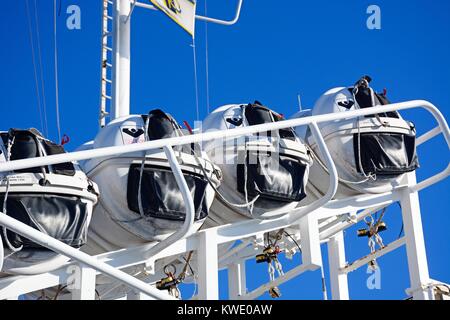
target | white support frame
x=85, y=284
x=208, y=267
x=415, y=242
x=237, y=282
x=205, y=242
x=336, y=258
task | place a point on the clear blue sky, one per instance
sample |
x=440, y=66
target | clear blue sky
x=277, y=50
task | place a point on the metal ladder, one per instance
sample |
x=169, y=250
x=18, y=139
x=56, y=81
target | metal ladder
x=106, y=65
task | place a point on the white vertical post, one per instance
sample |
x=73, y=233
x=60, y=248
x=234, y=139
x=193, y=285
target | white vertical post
x=415, y=243
x=237, y=283
x=310, y=242
x=120, y=102
x=208, y=280
x=85, y=284
x=336, y=257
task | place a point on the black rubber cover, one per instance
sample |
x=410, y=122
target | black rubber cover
x=258, y=114
x=26, y=145
x=61, y=217
x=386, y=154
x=272, y=177
x=160, y=195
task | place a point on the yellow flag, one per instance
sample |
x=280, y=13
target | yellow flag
x=180, y=11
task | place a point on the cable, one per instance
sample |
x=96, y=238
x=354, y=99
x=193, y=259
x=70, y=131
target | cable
x=59, y=7
x=295, y=241
x=141, y=171
x=403, y=225
x=38, y=95
x=206, y=57
x=11, y=247
x=44, y=100
x=324, y=285
x=2, y=254
x=56, y=71
x=195, y=79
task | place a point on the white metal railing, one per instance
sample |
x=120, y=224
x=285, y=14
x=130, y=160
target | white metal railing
x=211, y=135
x=200, y=17
x=110, y=263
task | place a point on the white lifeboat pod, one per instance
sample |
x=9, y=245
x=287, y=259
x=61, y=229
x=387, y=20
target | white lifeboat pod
x=57, y=200
x=371, y=153
x=140, y=199
x=264, y=175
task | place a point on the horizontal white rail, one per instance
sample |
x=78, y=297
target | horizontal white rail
x=381, y=252
x=199, y=17
x=64, y=249
x=225, y=134
x=278, y=281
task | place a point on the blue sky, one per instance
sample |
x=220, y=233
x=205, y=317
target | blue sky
x=276, y=51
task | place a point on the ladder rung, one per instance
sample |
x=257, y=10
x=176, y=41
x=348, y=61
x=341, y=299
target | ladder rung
x=109, y=17
x=107, y=48
x=107, y=80
x=109, y=65
x=107, y=34
x=106, y=96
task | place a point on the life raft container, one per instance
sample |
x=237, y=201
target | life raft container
x=57, y=200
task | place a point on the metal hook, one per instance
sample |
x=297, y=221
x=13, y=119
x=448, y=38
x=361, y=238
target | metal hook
x=167, y=270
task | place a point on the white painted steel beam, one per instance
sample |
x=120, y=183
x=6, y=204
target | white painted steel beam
x=64, y=249
x=310, y=242
x=377, y=254
x=224, y=134
x=336, y=257
x=415, y=242
x=278, y=281
x=84, y=283
x=120, y=102
x=208, y=269
x=237, y=284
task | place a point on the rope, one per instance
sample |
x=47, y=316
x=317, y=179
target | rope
x=141, y=172
x=206, y=58
x=362, y=82
x=41, y=66
x=324, y=285
x=56, y=70
x=38, y=95
x=2, y=253
x=5, y=202
x=195, y=79
x=220, y=196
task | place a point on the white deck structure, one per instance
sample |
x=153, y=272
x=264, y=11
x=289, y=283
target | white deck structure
x=320, y=222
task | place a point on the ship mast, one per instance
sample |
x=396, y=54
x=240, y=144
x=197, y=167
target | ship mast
x=120, y=95
x=115, y=64
x=115, y=76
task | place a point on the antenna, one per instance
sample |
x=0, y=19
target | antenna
x=299, y=102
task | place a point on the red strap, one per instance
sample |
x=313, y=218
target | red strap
x=65, y=139
x=188, y=127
